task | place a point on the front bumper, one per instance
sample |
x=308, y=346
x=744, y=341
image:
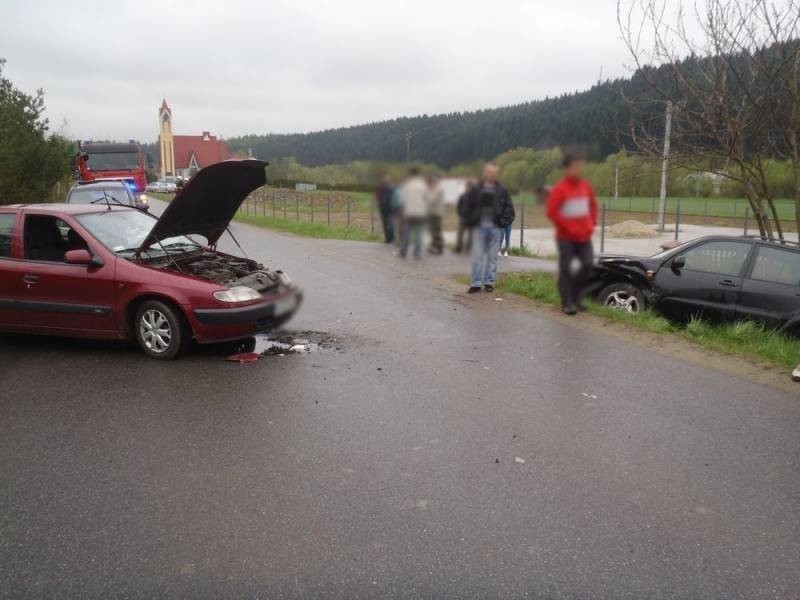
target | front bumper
x=218, y=324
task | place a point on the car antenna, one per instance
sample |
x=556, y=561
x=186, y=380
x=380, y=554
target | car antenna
x=235, y=241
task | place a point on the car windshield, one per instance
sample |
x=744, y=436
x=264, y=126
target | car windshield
x=106, y=161
x=123, y=231
x=98, y=196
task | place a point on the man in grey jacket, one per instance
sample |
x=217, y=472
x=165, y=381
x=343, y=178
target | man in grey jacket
x=414, y=196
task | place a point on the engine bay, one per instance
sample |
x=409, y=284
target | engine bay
x=223, y=269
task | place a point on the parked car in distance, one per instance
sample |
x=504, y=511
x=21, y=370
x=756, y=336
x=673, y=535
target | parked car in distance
x=104, y=270
x=108, y=191
x=720, y=278
x=162, y=187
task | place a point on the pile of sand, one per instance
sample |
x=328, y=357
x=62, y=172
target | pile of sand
x=631, y=230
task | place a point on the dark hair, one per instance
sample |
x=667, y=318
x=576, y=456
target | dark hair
x=413, y=171
x=571, y=157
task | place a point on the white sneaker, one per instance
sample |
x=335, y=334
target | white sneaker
x=796, y=374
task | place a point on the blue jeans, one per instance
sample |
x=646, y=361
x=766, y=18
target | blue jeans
x=485, y=246
x=505, y=238
x=413, y=227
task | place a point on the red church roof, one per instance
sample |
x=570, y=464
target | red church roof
x=207, y=150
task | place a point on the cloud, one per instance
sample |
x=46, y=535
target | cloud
x=239, y=67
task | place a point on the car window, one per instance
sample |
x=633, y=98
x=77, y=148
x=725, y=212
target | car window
x=720, y=258
x=6, y=229
x=777, y=266
x=49, y=238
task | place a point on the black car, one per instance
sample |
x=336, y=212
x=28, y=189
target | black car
x=717, y=277
x=112, y=191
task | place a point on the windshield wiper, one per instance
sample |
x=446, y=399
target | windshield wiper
x=106, y=197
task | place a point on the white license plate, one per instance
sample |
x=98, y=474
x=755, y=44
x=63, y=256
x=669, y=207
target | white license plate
x=285, y=305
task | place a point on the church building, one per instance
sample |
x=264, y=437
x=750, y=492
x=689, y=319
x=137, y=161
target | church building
x=184, y=155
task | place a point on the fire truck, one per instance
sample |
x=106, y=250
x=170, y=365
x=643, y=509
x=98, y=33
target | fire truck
x=103, y=161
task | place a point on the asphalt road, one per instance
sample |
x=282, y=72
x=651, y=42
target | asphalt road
x=390, y=463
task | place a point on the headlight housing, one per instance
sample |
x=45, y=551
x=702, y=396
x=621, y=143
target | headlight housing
x=142, y=199
x=238, y=293
x=285, y=279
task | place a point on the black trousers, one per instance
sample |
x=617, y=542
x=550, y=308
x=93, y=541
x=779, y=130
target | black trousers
x=463, y=232
x=387, y=218
x=435, y=228
x=572, y=283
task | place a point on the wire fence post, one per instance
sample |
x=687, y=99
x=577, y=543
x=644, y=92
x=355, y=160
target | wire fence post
x=372, y=218
x=746, y=217
x=312, y=196
x=329, y=208
x=677, y=218
x=284, y=203
x=522, y=225
x=603, y=228
x=274, y=205
x=296, y=206
x=348, y=210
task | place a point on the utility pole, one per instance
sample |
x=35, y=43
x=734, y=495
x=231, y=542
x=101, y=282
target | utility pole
x=662, y=199
x=408, y=146
x=616, y=181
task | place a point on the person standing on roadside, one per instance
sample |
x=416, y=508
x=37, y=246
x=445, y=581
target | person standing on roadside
x=463, y=229
x=572, y=208
x=435, y=215
x=413, y=196
x=383, y=198
x=488, y=210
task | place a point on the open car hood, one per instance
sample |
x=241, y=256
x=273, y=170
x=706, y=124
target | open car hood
x=208, y=202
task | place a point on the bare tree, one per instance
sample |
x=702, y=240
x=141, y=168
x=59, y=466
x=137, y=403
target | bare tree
x=731, y=70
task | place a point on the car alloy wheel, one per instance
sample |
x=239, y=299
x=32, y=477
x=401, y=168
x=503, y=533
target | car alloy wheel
x=155, y=331
x=623, y=300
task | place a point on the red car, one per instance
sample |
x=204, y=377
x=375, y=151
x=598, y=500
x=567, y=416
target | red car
x=106, y=271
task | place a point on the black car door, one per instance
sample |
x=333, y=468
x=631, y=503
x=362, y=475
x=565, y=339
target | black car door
x=703, y=280
x=771, y=291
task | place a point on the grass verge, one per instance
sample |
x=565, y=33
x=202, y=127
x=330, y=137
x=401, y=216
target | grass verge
x=746, y=339
x=307, y=229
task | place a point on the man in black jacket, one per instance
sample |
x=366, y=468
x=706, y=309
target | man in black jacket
x=488, y=209
x=463, y=229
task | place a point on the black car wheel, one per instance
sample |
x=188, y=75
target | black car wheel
x=622, y=296
x=160, y=330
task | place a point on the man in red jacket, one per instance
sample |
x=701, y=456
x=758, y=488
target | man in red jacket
x=572, y=208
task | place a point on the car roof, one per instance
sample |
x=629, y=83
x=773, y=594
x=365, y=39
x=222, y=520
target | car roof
x=100, y=183
x=68, y=209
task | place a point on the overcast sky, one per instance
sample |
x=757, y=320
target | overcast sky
x=293, y=66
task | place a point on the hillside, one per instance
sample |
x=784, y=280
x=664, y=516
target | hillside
x=593, y=118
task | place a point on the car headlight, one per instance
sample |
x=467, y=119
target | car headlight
x=239, y=293
x=142, y=199
x=285, y=279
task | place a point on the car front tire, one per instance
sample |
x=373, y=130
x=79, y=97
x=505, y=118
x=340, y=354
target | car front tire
x=622, y=296
x=160, y=330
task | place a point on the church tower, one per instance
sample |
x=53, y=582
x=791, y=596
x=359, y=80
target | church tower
x=166, y=149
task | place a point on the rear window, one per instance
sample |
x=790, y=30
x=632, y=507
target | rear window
x=99, y=196
x=777, y=266
x=6, y=229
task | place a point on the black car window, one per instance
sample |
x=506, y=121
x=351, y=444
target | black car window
x=49, y=238
x=777, y=266
x=720, y=258
x=6, y=229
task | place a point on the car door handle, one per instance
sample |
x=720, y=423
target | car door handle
x=29, y=279
x=729, y=283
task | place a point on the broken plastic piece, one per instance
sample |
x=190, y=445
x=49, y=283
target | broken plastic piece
x=244, y=357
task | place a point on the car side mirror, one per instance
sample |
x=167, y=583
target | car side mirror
x=82, y=257
x=678, y=263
